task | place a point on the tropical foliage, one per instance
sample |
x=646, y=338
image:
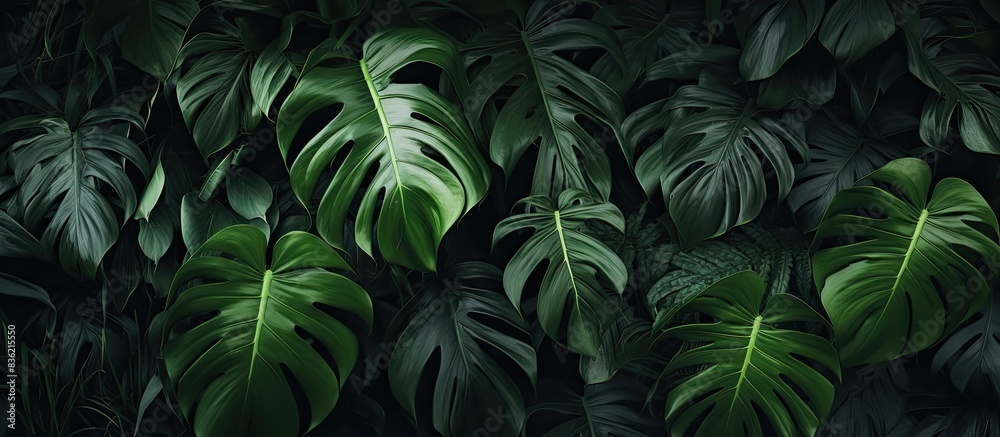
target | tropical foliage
x=520, y=217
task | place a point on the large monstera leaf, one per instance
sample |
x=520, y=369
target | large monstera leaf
x=71, y=177
x=972, y=354
x=552, y=97
x=246, y=333
x=902, y=275
x=460, y=319
x=706, y=164
x=233, y=81
x=415, y=142
x=964, y=82
x=747, y=358
x=772, y=31
x=574, y=260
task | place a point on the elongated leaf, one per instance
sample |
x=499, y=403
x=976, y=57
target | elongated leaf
x=747, y=362
x=707, y=164
x=459, y=320
x=233, y=372
x=774, y=30
x=881, y=288
x=574, y=260
x=545, y=108
x=416, y=143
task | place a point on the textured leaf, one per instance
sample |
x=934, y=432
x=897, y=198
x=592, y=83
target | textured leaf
x=460, y=321
x=235, y=347
x=746, y=362
x=552, y=96
x=574, y=260
x=709, y=165
x=880, y=288
x=420, y=149
x=869, y=403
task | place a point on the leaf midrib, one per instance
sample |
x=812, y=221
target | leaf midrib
x=569, y=268
x=377, y=100
x=906, y=261
x=265, y=294
x=751, y=346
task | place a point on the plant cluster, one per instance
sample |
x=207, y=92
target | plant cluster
x=540, y=218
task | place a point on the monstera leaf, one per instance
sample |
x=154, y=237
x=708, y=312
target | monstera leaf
x=881, y=285
x=841, y=155
x=708, y=165
x=153, y=32
x=962, y=81
x=552, y=98
x=574, y=260
x=248, y=332
x=774, y=30
x=605, y=409
x=417, y=145
x=749, y=361
x=232, y=82
x=870, y=402
x=972, y=354
x=61, y=166
x=464, y=319
x=648, y=31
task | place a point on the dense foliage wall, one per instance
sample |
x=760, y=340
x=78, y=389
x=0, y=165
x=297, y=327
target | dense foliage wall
x=424, y=217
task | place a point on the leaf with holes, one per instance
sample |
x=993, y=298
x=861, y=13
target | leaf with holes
x=552, y=97
x=574, y=259
x=897, y=273
x=749, y=360
x=247, y=333
x=415, y=143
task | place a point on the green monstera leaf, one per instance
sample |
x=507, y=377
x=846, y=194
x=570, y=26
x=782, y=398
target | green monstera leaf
x=232, y=82
x=248, y=331
x=465, y=319
x=61, y=164
x=749, y=360
x=897, y=272
x=709, y=163
x=416, y=143
x=852, y=28
x=574, y=258
x=963, y=82
x=551, y=98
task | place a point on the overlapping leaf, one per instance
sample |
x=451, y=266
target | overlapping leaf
x=574, y=260
x=420, y=150
x=552, y=96
x=885, y=257
x=248, y=331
